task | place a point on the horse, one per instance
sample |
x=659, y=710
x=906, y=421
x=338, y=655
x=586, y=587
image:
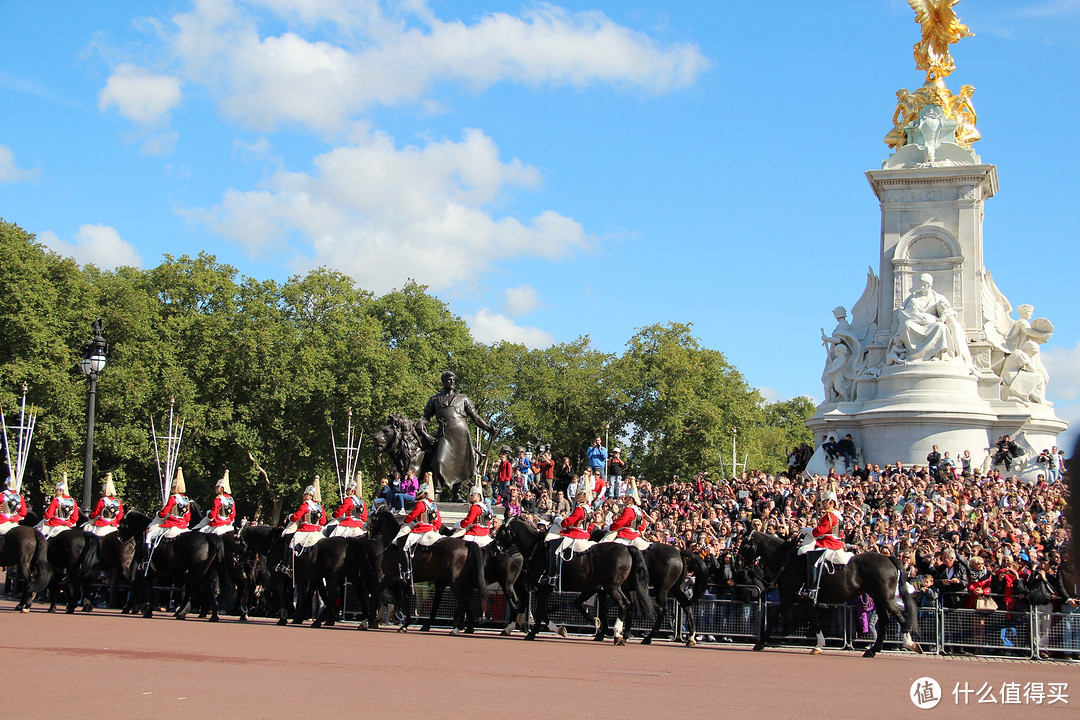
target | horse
x=190, y=560
x=321, y=568
x=502, y=565
x=449, y=562
x=879, y=576
x=26, y=548
x=73, y=555
x=668, y=568
x=606, y=567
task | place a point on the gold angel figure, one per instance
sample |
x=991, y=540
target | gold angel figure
x=940, y=28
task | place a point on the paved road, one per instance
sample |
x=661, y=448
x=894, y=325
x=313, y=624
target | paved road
x=105, y=665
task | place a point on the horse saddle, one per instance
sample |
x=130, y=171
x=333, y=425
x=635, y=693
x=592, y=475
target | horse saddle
x=571, y=547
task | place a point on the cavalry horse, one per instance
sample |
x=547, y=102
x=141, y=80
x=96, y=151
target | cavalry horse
x=502, y=565
x=668, y=568
x=321, y=568
x=73, y=555
x=879, y=576
x=450, y=562
x=190, y=560
x=24, y=547
x=609, y=568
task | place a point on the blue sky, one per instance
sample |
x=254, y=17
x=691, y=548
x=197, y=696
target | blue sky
x=550, y=170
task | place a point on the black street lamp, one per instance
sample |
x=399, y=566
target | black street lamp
x=92, y=364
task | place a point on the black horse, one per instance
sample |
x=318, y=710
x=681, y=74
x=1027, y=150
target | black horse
x=190, y=560
x=668, y=568
x=609, y=568
x=449, y=562
x=502, y=566
x=26, y=548
x=879, y=576
x=321, y=568
x=73, y=555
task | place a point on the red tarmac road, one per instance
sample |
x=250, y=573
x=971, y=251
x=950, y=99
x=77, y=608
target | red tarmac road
x=105, y=665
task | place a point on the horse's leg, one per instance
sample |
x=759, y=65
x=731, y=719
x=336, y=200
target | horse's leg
x=767, y=630
x=815, y=628
x=600, y=621
x=661, y=613
x=598, y=624
x=684, y=602
x=623, y=614
x=319, y=586
x=440, y=588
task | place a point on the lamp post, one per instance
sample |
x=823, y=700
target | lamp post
x=93, y=363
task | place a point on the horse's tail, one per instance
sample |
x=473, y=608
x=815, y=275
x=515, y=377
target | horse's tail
x=88, y=559
x=476, y=557
x=697, y=566
x=640, y=573
x=911, y=613
x=40, y=570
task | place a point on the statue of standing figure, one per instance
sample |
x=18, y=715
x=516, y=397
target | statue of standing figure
x=453, y=458
x=844, y=361
x=929, y=328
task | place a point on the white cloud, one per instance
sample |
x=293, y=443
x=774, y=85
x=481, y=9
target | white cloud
x=98, y=245
x=9, y=171
x=139, y=95
x=383, y=214
x=264, y=81
x=491, y=327
x=521, y=300
x=771, y=395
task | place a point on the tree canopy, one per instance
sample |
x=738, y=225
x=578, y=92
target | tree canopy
x=261, y=371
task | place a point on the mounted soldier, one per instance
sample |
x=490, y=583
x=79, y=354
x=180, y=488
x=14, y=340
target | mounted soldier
x=818, y=541
x=174, y=517
x=476, y=527
x=571, y=534
x=107, y=513
x=626, y=529
x=62, y=513
x=222, y=515
x=420, y=526
x=12, y=507
x=352, y=514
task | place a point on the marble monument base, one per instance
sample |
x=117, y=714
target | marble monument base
x=907, y=409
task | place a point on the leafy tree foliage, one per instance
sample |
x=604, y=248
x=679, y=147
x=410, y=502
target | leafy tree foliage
x=261, y=371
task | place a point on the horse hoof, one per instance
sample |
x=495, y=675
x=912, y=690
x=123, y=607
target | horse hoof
x=87, y=608
x=815, y=651
x=403, y=629
x=455, y=633
x=51, y=610
x=530, y=636
x=70, y=610
x=470, y=631
x=505, y=632
x=425, y=628
x=316, y=624
x=691, y=642
x=759, y=647
x=24, y=609
x=620, y=642
x=646, y=641
x=598, y=637
x=214, y=618
x=243, y=618
x=181, y=617
x=282, y=622
x=562, y=632
x=869, y=653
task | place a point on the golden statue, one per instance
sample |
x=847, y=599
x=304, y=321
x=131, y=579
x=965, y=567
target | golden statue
x=940, y=28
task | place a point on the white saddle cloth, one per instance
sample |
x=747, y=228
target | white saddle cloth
x=219, y=530
x=425, y=539
x=346, y=532
x=479, y=540
x=51, y=531
x=575, y=546
x=99, y=530
x=305, y=539
x=637, y=542
x=5, y=526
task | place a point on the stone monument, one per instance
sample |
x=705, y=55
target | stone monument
x=932, y=354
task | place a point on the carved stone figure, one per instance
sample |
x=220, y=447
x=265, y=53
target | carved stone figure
x=1023, y=375
x=452, y=459
x=844, y=361
x=929, y=328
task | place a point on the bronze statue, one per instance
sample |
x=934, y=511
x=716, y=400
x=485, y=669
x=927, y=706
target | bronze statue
x=452, y=459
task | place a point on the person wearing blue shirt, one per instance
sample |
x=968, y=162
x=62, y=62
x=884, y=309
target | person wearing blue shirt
x=597, y=455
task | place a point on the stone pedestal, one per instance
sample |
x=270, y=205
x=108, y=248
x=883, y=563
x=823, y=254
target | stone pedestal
x=895, y=407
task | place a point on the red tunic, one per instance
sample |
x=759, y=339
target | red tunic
x=573, y=525
x=825, y=531
x=170, y=512
x=18, y=515
x=102, y=521
x=471, y=523
x=433, y=513
x=53, y=517
x=624, y=525
x=301, y=516
x=347, y=512
x=223, y=511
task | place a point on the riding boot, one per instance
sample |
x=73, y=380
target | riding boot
x=406, y=570
x=551, y=577
x=809, y=588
